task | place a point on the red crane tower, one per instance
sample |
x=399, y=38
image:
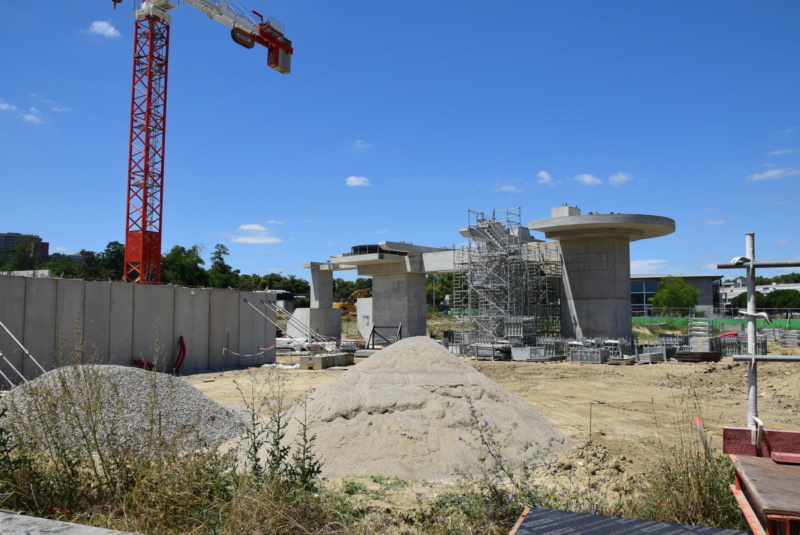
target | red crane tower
x=149, y=114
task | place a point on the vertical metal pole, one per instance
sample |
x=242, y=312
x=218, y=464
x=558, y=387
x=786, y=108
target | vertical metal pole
x=752, y=370
x=751, y=293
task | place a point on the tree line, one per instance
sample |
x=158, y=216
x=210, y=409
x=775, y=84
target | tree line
x=181, y=266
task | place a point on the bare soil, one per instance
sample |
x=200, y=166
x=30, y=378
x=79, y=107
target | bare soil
x=632, y=411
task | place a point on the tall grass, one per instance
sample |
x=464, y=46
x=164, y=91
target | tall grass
x=157, y=486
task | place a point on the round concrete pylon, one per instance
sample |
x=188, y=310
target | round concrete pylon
x=595, y=252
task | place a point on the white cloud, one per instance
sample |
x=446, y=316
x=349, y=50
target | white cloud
x=357, y=181
x=104, y=28
x=31, y=118
x=508, y=188
x=4, y=106
x=783, y=242
x=774, y=173
x=251, y=227
x=60, y=108
x=360, y=144
x=789, y=130
x=641, y=267
x=382, y=231
x=709, y=221
x=273, y=222
x=780, y=151
x=544, y=178
x=254, y=233
x=588, y=180
x=619, y=178
x=34, y=109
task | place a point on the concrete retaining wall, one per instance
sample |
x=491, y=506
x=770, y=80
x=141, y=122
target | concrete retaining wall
x=115, y=322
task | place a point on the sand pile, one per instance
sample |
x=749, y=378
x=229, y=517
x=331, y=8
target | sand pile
x=129, y=404
x=401, y=413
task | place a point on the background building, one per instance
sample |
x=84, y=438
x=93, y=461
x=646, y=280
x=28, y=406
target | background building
x=9, y=240
x=644, y=287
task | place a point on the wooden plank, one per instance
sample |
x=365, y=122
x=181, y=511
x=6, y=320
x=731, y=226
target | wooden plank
x=519, y=522
x=788, y=458
x=774, y=487
x=736, y=441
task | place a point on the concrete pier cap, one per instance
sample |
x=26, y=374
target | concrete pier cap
x=595, y=251
x=398, y=272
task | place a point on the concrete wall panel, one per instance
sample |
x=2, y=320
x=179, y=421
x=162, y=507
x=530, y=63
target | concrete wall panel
x=125, y=321
x=69, y=320
x=120, y=337
x=154, y=324
x=247, y=345
x=263, y=330
x=252, y=327
x=192, y=309
x=97, y=320
x=270, y=336
x=40, y=324
x=223, y=329
x=400, y=299
x=12, y=315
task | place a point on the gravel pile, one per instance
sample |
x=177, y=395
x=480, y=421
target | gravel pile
x=404, y=412
x=131, y=406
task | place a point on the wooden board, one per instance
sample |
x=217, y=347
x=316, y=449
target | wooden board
x=736, y=440
x=774, y=486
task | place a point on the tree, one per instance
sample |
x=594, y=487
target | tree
x=112, y=261
x=90, y=269
x=21, y=257
x=740, y=301
x=61, y=265
x=343, y=288
x=221, y=275
x=184, y=266
x=783, y=299
x=674, y=293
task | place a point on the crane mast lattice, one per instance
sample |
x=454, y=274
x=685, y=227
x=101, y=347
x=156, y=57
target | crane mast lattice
x=149, y=113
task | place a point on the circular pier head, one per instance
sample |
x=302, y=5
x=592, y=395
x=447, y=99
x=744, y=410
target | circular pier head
x=595, y=248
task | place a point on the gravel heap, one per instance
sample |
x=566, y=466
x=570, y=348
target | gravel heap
x=404, y=412
x=132, y=402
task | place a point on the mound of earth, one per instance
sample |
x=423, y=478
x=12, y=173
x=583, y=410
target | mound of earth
x=405, y=412
x=128, y=406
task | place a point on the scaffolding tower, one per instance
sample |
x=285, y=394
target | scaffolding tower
x=506, y=285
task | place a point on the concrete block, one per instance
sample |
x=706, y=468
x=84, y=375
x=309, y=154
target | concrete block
x=192, y=309
x=120, y=336
x=12, y=314
x=316, y=362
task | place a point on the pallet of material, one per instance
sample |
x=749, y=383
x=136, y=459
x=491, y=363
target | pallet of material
x=698, y=356
x=622, y=361
x=589, y=356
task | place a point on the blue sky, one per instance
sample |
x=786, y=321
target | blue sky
x=400, y=116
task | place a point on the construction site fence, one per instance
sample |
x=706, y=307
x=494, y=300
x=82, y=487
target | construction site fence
x=730, y=324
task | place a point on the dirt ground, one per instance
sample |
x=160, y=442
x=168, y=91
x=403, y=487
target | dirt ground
x=632, y=411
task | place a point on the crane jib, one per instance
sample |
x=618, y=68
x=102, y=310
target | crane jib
x=243, y=37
